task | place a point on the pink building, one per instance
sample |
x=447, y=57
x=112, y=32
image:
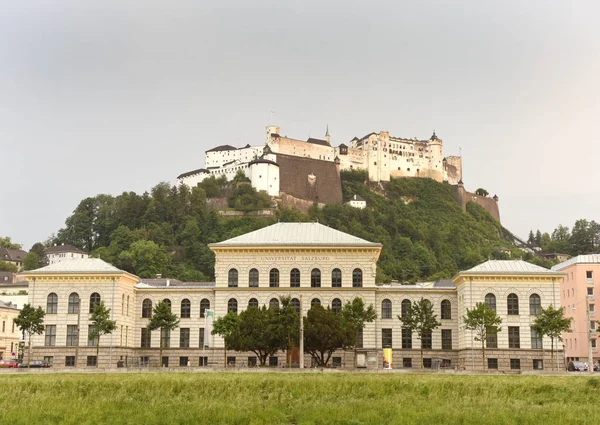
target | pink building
x=577, y=295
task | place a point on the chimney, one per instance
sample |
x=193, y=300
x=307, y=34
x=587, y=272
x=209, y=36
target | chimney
x=158, y=275
x=168, y=282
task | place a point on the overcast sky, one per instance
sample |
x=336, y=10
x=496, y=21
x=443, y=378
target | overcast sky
x=113, y=96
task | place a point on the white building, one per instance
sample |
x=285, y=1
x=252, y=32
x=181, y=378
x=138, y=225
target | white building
x=357, y=201
x=58, y=253
x=311, y=263
x=383, y=156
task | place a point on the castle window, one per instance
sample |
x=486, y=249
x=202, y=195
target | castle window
x=204, y=305
x=315, y=278
x=146, y=309
x=253, y=278
x=295, y=278
x=233, y=278
x=336, y=278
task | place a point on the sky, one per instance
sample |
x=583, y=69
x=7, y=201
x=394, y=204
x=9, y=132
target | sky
x=113, y=96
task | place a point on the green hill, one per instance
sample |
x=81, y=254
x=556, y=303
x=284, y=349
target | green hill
x=425, y=233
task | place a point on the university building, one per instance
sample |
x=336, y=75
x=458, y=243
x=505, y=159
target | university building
x=313, y=264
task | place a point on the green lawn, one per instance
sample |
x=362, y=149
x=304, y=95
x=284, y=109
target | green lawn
x=297, y=398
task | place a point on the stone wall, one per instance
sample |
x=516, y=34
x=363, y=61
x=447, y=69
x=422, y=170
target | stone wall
x=463, y=197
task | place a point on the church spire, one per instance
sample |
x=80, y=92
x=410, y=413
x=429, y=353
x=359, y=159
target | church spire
x=327, y=135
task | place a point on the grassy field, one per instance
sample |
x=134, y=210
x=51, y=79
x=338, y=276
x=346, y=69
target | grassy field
x=293, y=398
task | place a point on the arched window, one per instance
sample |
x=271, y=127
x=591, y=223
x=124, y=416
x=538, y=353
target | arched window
x=73, y=303
x=167, y=302
x=336, y=305
x=446, y=310
x=406, y=304
x=314, y=302
x=186, y=309
x=315, y=278
x=535, y=304
x=146, y=309
x=296, y=304
x=357, y=278
x=204, y=305
x=490, y=300
x=94, y=300
x=336, y=278
x=52, y=304
x=274, y=278
x=232, y=279
x=232, y=305
x=253, y=302
x=253, y=278
x=512, y=304
x=386, y=309
x=295, y=278
x=274, y=303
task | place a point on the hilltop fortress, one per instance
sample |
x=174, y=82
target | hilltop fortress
x=310, y=169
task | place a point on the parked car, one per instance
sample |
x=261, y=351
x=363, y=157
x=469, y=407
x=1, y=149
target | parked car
x=577, y=367
x=9, y=363
x=35, y=363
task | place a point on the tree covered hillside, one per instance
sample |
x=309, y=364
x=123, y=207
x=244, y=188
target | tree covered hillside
x=425, y=233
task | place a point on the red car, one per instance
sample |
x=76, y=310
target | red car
x=10, y=363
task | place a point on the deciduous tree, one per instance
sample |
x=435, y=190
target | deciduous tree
x=358, y=315
x=101, y=325
x=164, y=319
x=31, y=322
x=324, y=332
x=551, y=322
x=483, y=320
x=420, y=319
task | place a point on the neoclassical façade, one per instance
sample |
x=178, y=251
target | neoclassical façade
x=312, y=263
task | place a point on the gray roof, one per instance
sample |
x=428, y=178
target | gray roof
x=173, y=284
x=15, y=255
x=63, y=248
x=357, y=197
x=4, y=304
x=191, y=173
x=222, y=148
x=305, y=234
x=422, y=286
x=508, y=267
x=78, y=265
x=580, y=259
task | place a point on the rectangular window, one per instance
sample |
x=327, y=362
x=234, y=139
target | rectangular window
x=252, y=361
x=492, y=363
x=201, y=338
x=514, y=339
x=426, y=340
x=92, y=361
x=588, y=275
x=146, y=338
x=427, y=363
x=538, y=364
x=3, y=326
x=273, y=361
x=165, y=361
x=50, y=340
x=406, y=362
x=590, y=291
x=183, y=361
x=165, y=337
x=536, y=340
x=184, y=337
x=359, y=338
x=491, y=339
x=406, y=338
x=337, y=362
x=49, y=360
x=203, y=361
x=592, y=325
x=72, y=335
x=231, y=361
x=386, y=338
x=593, y=341
x=446, y=339
x=592, y=308
x=70, y=361
x=515, y=364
